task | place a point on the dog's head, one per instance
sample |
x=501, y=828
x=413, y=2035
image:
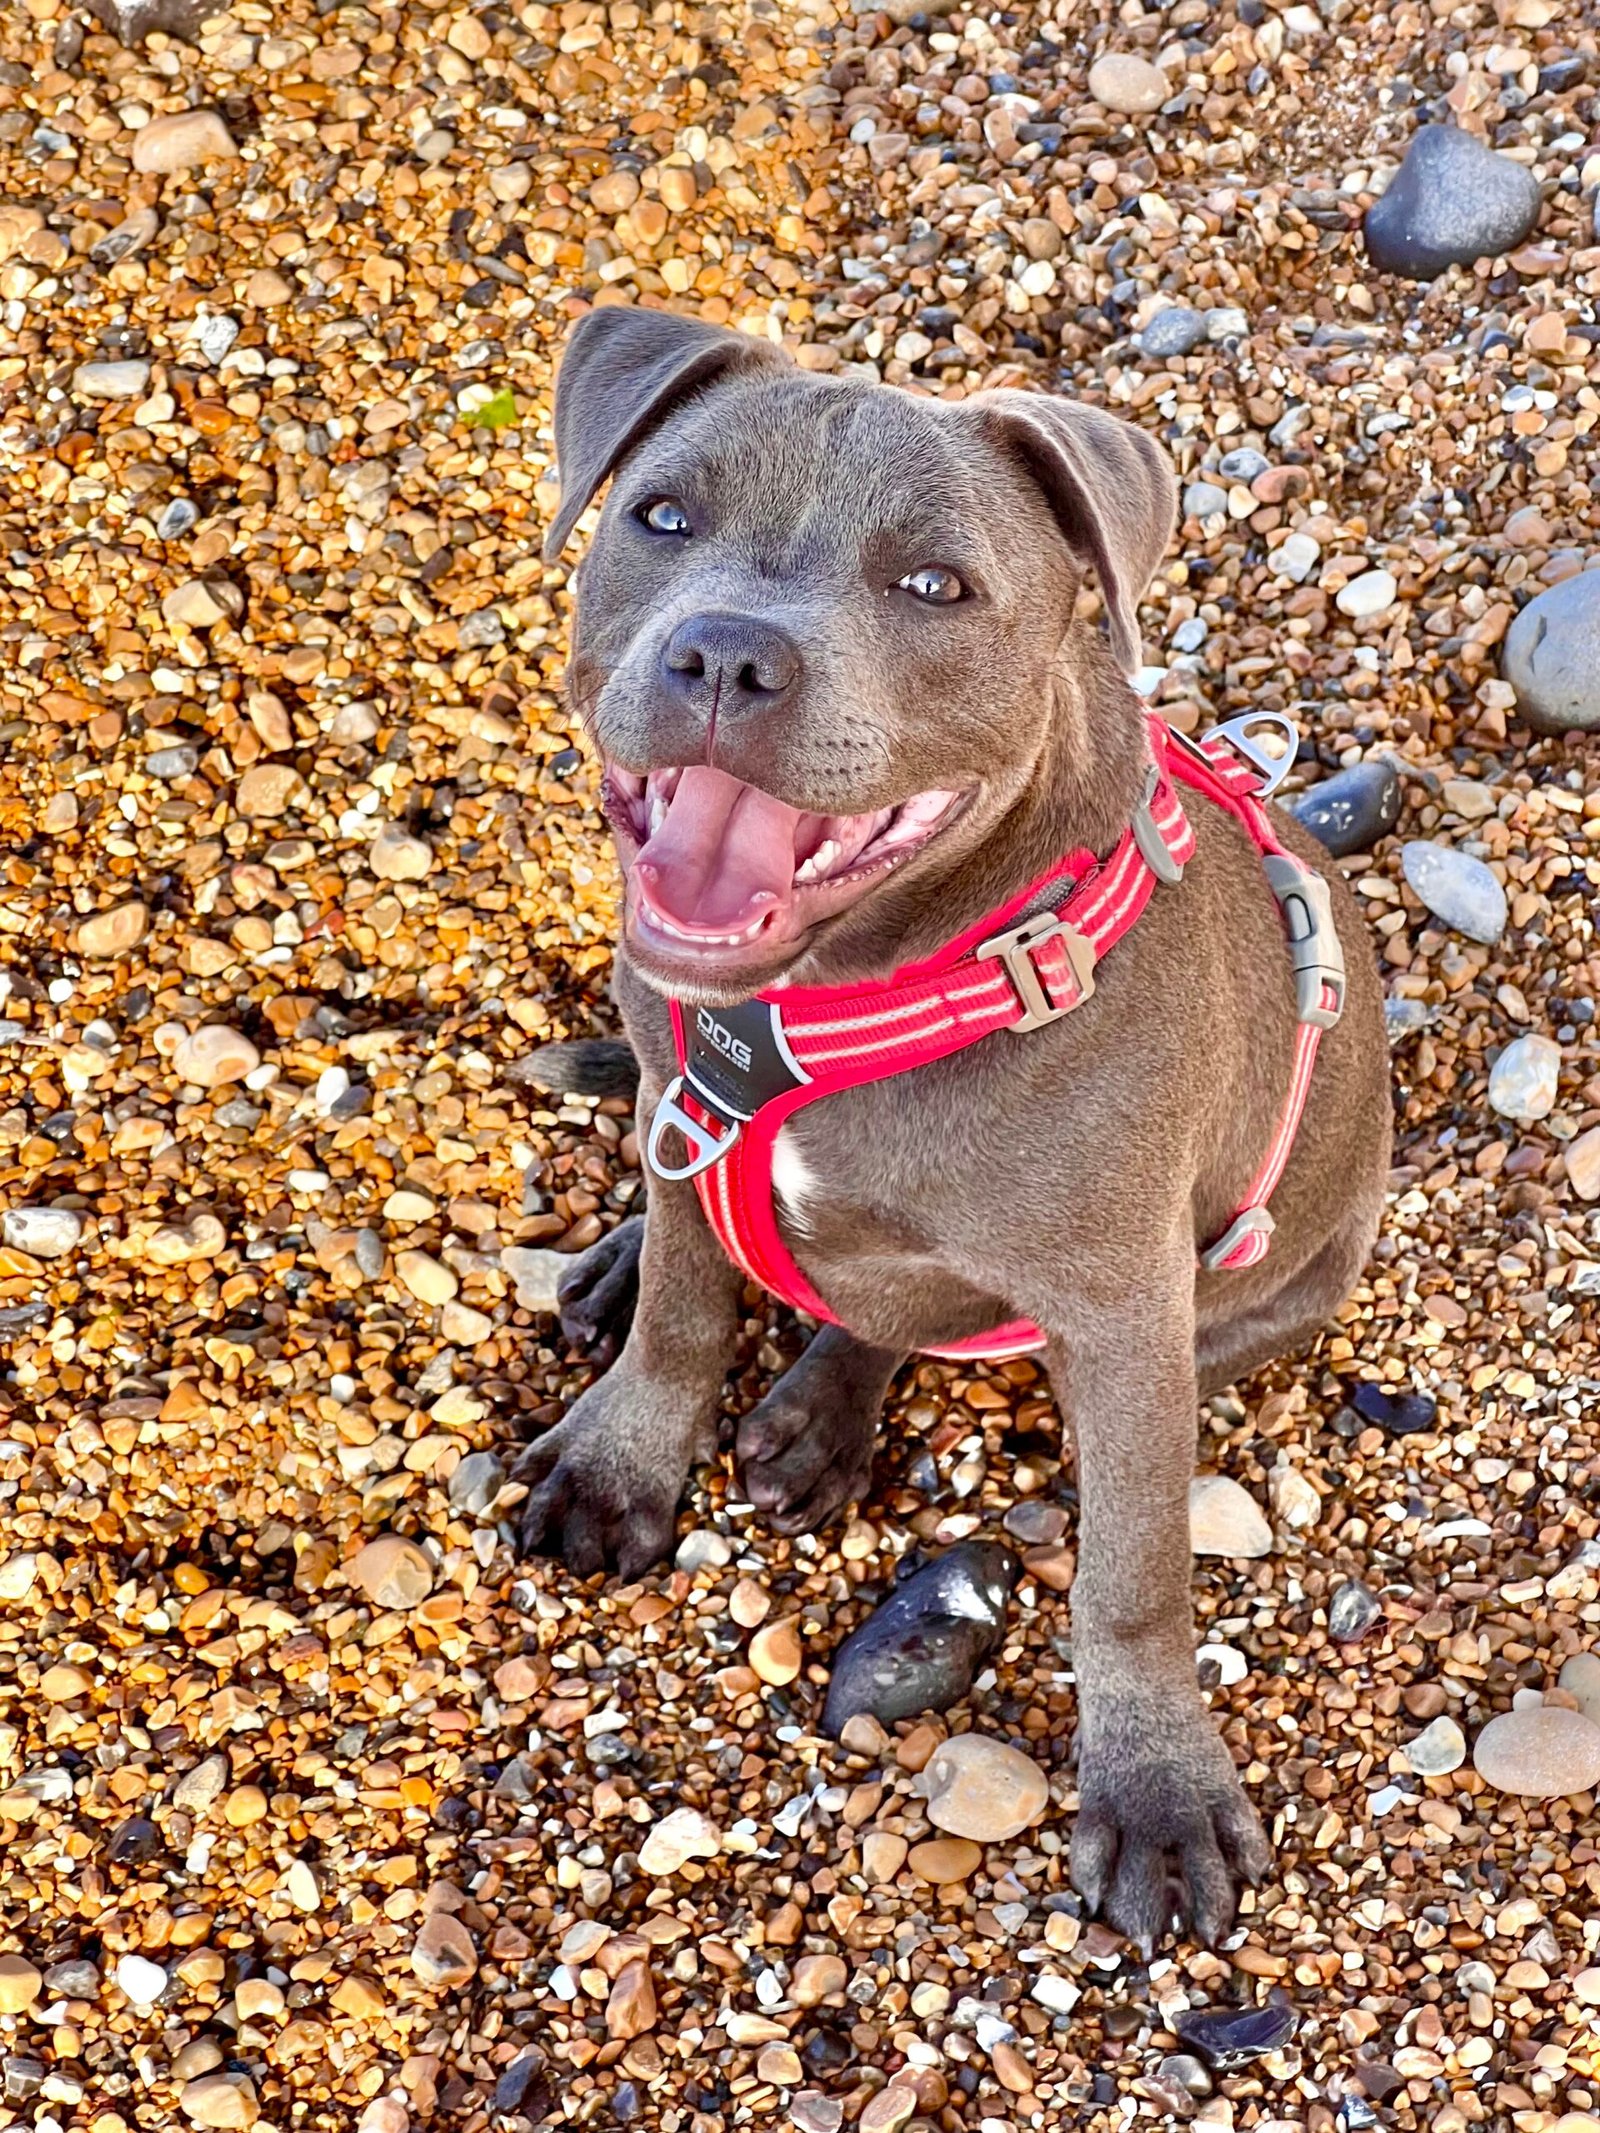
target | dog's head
x=820, y=626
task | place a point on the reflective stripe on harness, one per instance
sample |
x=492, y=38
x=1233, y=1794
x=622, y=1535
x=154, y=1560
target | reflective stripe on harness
x=745, y=1071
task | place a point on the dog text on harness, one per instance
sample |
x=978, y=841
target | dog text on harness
x=733, y=1049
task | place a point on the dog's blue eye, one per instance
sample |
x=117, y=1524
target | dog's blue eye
x=664, y=516
x=939, y=588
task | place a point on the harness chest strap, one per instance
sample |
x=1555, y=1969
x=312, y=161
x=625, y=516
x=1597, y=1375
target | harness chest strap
x=746, y=1070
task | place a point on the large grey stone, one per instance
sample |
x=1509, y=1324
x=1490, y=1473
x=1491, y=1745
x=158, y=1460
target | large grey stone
x=1451, y=201
x=1457, y=888
x=1552, y=657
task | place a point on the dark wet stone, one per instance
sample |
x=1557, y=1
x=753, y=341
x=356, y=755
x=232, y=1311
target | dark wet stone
x=1174, y=331
x=1379, y=2080
x=1397, y=1414
x=825, y=2052
x=1350, y=811
x=626, y=2104
x=133, y=1842
x=1451, y=202
x=920, y=1650
x=1352, y=1612
x=522, y=2088
x=1035, y=1524
x=1226, y=2037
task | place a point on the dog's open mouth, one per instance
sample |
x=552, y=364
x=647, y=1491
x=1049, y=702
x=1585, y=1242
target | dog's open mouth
x=718, y=868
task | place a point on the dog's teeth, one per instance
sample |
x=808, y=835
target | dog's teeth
x=818, y=864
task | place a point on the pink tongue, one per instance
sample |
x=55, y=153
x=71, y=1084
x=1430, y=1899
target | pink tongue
x=724, y=854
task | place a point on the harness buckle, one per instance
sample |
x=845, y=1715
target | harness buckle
x=1153, y=848
x=1239, y=732
x=1315, y=952
x=704, y=1145
x=1253, y=1222
x=1015, y=948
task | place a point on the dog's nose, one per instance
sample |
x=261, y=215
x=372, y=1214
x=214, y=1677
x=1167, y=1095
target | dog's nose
x=730, y=663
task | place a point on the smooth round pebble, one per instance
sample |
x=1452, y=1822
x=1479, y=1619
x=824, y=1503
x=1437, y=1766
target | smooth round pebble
x=982, y=1789
x=1438, y=1749
x=1456, y=888
x=1551, y=657
x=1225, y=1520
x=1542, y=1752
x=1124, y=82
x=1523, y=1080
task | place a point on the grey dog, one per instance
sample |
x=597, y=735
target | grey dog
x=825, y=600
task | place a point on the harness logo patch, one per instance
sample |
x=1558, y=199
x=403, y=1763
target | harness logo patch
x=733, y=1049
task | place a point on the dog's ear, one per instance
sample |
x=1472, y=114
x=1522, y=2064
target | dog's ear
x=1112, y=489
x=621, y=371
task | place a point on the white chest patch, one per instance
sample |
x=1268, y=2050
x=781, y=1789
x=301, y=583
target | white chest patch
x=792, y=1181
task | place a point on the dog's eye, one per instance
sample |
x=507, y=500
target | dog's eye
x=938, y=588
x=664, y=515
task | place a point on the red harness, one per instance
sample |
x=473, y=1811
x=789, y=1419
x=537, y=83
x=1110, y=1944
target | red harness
x=746, y=1070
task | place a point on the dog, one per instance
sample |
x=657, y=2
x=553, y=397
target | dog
x=829, y=648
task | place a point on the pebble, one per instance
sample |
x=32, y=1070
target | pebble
x=442, y=1955
x=1352, y=1611
x=198, y=605
x=1452, y=201
x=140, y=1980
x=1397, y=1414
x=982, y=1789
x=1350, y=811
x=1372, y=593
x=475, y=1484
x=1176, y=330
x=1224, y=1520
x=114, y=932
x=1203, y=499
x=180, y=141
x=214, y=1055
x=1552, y=657
x=537, y=1275
x=1296, y=1502
x=1456, y=888
x=775, y=1652
x=221, y=2099
x=19, y=1574
x=631, y=2009
x=945, y=1860
x=1297, y=557
x=1523, y=1080
x=678, y=1837
x=921, y=1648
x=126, y=380
x=1230, y=2037
x=1581, y=1158
x=19, y=1984
x=429, y=1280
x=42, y=1232
x=393, y=1572
x=1543, y=1751
x=1438, y=1749
x=398, y=856
x=812, y=2112
x=1580, y=1677
x=702, y=1548
x=1124, y=82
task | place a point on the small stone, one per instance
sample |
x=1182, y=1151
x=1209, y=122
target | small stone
x=1297, y=557
x=398, y=856
x=200, y=1787
x=945, y=1859
x=19, y=1984
x=536, y=1274
x=1296, y=1502
x=1580, y=1677
x=181, y=140
x=1543, y=1752
x=109, y=934
x=775, y=1652
x=18, y=1575
x=883, y=1853
x=983, y=1789
x=245, y=1806
x=1174, y=331
x=1468, y=799
x=429, y=1280
x=1203, y=499
x=1552, y=657
x=442, y=1955
x=1373, y=593
x=266, y=791
x=139, y=1980
x=213, y=1055
x=614, y=193
x=127, y=380
x=889, y=2110
x=385, y=2114
x=812, y=2112
x=222, y=2099
x=1124, y=82
x=702, y=1548
x=64, y=1683
x=1523, y=1080
x=1451, y=202
x=1456, y=888
x=197, y=605
x=815, y=1977
x=1350, y=811
x=265, y=290
x=631, y=2008
x=1229, y=2037
x=1223, y=1520
x=42, y=1232
x=360, y=1998
x=680, y=1836
x=393, y=1572
x=1439, y=1749
x=476, y=1482
x=179, y=517
x=1352, y=1611
x=257, y=1999
x=1586, y=1985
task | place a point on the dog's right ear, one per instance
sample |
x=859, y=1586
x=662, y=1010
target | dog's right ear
x=622, y=369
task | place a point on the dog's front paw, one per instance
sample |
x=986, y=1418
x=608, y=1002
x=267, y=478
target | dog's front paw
x=598, y=1292
x=802, y=1457
x=604, y=1483
x=1164, y=1832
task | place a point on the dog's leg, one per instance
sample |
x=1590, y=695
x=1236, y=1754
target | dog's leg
x=599, y=1292
x=606, y=1479
x=1164, y=1829
x=806, y=1451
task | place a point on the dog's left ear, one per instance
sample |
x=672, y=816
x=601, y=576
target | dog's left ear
x=1112, y=489
x=621, y=372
